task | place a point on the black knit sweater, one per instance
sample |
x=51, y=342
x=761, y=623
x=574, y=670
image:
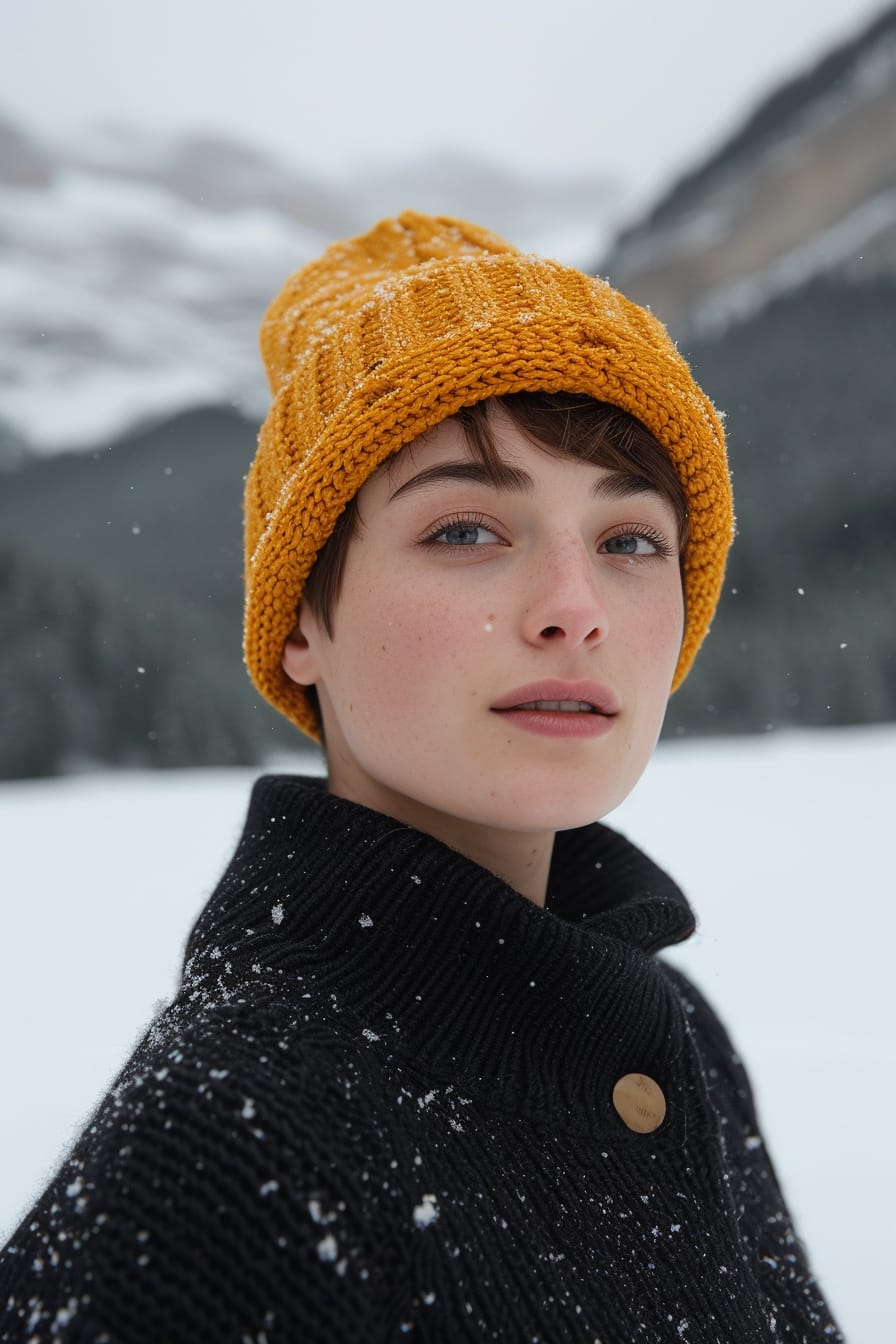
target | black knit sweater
x=381, y=1106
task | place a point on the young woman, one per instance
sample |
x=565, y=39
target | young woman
x=426, y=1074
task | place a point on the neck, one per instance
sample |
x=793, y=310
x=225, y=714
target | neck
x=522, y=859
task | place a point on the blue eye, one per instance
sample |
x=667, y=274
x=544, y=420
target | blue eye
x=637, y=543
x=461, y=534
x=627, y=544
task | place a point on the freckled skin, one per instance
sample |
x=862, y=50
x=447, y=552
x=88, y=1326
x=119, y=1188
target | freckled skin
x=409, y=725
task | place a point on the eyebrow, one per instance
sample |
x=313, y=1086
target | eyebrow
x=515, y=481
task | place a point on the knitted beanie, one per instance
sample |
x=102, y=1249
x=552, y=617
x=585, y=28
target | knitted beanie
x=388, y=334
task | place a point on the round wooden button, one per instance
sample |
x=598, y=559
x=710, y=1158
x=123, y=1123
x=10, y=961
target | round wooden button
x=639, y=1103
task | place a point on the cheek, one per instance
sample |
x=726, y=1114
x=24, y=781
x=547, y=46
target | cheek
x=654, y=630
x=670, y=629
x=665, y=615
x=399, y=648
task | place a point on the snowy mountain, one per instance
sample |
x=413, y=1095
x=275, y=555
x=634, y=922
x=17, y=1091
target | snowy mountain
x=135, y=270
x=807, y=188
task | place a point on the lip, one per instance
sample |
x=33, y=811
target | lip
x=601, y=697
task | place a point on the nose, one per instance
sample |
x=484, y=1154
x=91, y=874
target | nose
x=565, y=605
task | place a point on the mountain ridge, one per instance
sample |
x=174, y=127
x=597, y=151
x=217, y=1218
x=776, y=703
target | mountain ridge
x=806, y=187
x=764, y=123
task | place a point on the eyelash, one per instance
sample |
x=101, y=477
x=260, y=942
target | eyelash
x=662, y=546
x=456, y=520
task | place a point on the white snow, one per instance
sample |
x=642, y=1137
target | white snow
x=327, y=1248
x=781, y=842
x=124, y=302
x=195, y=280
x=426, y=1212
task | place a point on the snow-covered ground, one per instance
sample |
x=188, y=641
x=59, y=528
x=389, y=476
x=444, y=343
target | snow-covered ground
x=782, y=843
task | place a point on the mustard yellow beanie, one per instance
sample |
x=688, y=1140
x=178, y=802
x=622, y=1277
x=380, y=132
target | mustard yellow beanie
x=386, y=335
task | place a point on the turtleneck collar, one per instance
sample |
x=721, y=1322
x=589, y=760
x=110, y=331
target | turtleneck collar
x=398, y=937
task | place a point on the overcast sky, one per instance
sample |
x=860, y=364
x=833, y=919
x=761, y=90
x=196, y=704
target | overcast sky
x=636, y=90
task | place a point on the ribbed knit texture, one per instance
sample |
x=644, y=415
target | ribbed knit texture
x=388, y=334
x=380, y=1107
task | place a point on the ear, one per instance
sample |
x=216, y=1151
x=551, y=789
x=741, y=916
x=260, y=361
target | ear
x=298, y=660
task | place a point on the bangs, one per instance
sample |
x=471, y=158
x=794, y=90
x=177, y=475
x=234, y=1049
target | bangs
x=565, y=425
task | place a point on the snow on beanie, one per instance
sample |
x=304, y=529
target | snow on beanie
x=388, y=334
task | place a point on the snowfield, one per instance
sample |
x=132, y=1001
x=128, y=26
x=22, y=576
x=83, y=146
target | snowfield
x=782, y=844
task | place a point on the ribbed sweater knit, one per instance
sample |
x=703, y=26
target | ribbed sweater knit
x=380, y=1107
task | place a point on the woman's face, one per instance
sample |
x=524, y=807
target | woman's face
x=457, y=599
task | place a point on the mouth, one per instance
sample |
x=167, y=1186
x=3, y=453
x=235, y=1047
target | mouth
x=559, y=706
x=553, y=696
x=560, y=718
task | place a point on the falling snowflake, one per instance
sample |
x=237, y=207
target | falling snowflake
x=426, y=1211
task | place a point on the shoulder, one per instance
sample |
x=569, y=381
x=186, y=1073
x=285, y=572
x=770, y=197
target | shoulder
x=243, y=1087
x=213, y=1076
x=218, y=1180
